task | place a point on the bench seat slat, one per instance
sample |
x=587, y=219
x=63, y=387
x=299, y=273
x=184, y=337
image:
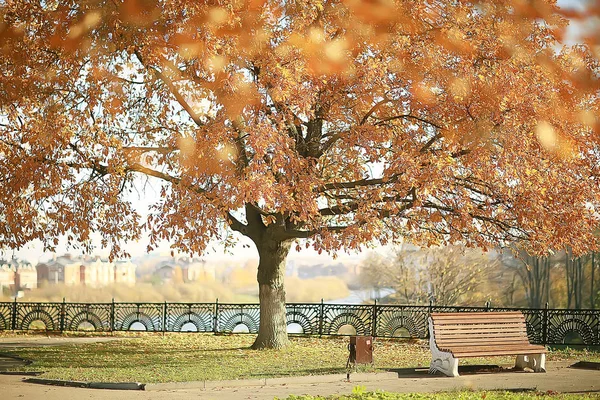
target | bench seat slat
x=480, y=321
x=503, y=345
x=478, y=315
x=497, y=353
x=479, y=327
x=466, y=352
x=476, y=342
x=492, y=313
x=466, y=348
x=496, y=331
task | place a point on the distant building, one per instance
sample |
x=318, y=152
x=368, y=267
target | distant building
x=89, y=271
x=190, y=270
x=63, y=269
x=7, y=277
x=195, y=269
x=124, y=272
x=26, y=277
x=165, y=272
x=17, y=275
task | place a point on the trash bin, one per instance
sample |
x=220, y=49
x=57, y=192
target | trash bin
x=361, y=350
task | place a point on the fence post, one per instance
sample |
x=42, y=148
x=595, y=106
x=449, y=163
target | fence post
x=164, y=325
x=62, y=315
x=374, y=327
x=545, y=325
x=321, y=316
x=216, y=316
x=112, y=315
x=14, y=315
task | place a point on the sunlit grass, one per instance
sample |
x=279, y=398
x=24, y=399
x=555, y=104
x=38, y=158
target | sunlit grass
x=190, y=357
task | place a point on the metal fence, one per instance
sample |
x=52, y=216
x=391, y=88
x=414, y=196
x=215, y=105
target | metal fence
x=544, y=326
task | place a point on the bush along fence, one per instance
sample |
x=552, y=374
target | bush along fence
x=544, y=326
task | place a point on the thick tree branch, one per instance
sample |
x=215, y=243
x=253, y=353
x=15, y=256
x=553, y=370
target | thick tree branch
x=358, y=183
x=136, y=167
x=375, y=107
x=180, y=99
x=147, y=149
x=353, y=206
x=407, y=116
x=236, y=225
x=300, y=234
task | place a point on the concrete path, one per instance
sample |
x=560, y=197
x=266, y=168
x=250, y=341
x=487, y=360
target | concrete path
x=559, y=378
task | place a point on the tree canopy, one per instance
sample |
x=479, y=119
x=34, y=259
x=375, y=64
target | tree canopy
x=339, y=122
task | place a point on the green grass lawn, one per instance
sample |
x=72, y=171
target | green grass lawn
x=191, y=357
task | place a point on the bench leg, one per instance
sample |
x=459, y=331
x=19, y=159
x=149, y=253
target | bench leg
x=537, y=362
x=446, y=364
x=441, y=361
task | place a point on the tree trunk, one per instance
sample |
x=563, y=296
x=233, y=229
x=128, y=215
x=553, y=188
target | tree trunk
x=272, y=332
x=592, y=294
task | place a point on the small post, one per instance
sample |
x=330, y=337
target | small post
x=216, y=317
x=14, y=315
x=374, y=327
x=321, y=316
x=488, y=304
x=164, y=325
x=62, y=315
x=112, y=315
x=545, y=325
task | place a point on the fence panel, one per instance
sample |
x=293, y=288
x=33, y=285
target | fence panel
x=338, y=318
x=138, y=317
x=195, y=317
x=6, y=316
x=86, y=316
x=34, y=315
x=230, y=316
x=544, y=326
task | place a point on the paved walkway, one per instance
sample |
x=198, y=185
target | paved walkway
x=559, y=378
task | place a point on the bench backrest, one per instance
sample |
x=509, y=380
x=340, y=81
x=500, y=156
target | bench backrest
x=479, y=328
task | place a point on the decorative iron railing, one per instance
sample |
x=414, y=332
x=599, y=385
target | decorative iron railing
x=544, y=326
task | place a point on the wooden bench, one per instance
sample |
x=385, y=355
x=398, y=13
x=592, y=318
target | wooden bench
x=478, y=334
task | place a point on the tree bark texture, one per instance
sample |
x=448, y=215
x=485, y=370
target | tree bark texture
x=272, y=332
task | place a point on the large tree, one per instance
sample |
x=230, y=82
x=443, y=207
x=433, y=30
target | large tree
x=335, y=122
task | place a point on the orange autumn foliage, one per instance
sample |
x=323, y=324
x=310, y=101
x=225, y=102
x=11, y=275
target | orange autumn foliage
x=341, y=122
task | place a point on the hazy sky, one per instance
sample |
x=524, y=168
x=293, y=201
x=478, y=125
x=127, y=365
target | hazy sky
x=33, y=252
